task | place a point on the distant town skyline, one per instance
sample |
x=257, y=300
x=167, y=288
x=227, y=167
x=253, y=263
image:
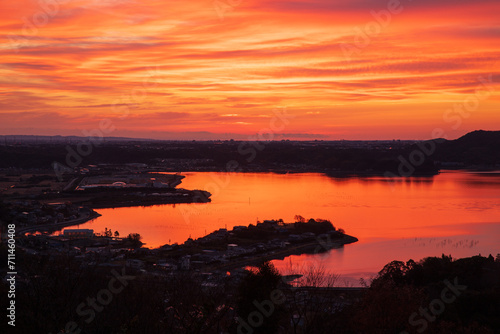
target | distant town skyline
x=208, y=70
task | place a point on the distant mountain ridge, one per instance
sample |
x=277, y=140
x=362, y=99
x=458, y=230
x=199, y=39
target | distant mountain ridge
x=481, y=137
x=475, y=148
x=479, y=150
x=474, y=137
x=61, y=139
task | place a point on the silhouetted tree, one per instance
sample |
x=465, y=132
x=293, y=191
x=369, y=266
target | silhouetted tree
x=255, y=288
x=299, y=219
x=107, y=233
x=135, y=239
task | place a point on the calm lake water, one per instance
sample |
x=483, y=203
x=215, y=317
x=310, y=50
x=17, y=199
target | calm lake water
x=455, y=213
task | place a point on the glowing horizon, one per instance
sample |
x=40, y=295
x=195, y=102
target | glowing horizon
x=217, y=69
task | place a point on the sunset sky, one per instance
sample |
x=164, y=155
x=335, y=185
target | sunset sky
x=204, y=69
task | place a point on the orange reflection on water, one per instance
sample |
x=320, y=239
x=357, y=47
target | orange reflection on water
x=368, y=208
x=409, y=218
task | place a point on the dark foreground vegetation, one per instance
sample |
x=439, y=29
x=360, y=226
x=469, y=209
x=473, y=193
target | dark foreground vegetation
x=436, y=295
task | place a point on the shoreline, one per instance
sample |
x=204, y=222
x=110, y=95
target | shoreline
x=251, y=245
x=59, y=225
x=329, y=173
x=309, y=248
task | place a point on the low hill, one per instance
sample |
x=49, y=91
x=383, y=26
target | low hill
x=478, y=148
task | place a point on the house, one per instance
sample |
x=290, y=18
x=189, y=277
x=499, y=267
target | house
x=78, y=233
x=308, y=235
x=166, y=266
x=135, y=263
x=186, y=262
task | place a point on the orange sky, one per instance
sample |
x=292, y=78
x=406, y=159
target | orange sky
x=203, y=69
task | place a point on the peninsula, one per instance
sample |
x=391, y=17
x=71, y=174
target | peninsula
x=253, y=244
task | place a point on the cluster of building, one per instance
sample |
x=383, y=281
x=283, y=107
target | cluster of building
x=129, y=181
x=223, y=246
x=219, y=249
x=29, y=212
x=185, y=164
